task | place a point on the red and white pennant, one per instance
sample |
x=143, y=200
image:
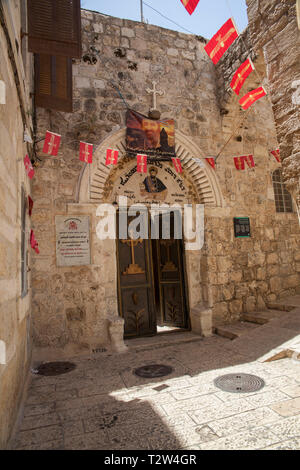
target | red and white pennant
x=252, y=97
x=177, y=164
x=28, y=167
x=86, y=152
x=52, y=143
x=190, y=5
x=111, y=157
x=276, y=155
x=34, y=244
x=240, y=162
x=241, y=75
x=221, y=41
x=141, y=163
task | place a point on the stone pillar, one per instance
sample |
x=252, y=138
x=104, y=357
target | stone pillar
x=201, y=320
x=116, y=333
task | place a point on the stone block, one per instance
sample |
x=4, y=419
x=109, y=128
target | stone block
x=128, y=32
x=236, y=306
x=116, y=333
x=201, y=320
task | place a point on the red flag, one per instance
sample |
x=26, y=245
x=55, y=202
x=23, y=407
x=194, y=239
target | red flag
x=34, y=244
x=221, y=41
x=28, y=167
x=30, y=206
x=112, y=157
x=239, y=163
x=141, y=163
x=249, y=160
x=276, y=154
x=51, y=144
x=86, y=152
x=190, y=5
x=177, y=164
x=241, y=75
x=211, y=161
x=251, y=97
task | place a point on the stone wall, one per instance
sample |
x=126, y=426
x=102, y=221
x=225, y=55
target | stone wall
x=274, y=31
x=231, y=275
x=15, y=330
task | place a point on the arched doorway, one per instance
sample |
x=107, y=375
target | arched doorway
x=99, y=183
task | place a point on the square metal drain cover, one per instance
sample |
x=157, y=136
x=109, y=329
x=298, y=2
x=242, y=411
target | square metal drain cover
x=239, y=383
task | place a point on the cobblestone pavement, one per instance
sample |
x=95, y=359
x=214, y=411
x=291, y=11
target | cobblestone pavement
x=102, y=404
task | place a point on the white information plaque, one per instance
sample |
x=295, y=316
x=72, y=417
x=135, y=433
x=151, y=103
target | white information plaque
x=72, y=240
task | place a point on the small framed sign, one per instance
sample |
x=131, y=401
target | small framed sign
x=241, y=227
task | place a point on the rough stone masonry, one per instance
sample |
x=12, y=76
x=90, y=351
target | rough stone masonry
x=72, y=305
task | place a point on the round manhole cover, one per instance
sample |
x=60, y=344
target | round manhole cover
x=55, y=368
x=153, y=370
x=239, y=383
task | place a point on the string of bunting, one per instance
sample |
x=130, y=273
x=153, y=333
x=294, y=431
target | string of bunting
x=215, y=48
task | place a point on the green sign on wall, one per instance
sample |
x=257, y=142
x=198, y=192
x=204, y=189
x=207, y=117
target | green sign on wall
x=241, y=227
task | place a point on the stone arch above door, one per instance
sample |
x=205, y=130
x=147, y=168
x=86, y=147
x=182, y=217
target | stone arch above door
x=92, y=181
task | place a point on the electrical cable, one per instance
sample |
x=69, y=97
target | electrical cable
x=149, y=6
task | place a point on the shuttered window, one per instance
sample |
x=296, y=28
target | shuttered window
x=53, y=82
x=54, y=27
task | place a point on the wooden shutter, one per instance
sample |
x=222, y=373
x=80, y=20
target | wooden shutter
x=53, y=82
x=54, y=27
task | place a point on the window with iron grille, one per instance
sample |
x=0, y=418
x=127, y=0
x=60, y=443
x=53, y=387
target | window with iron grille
x=283, y=199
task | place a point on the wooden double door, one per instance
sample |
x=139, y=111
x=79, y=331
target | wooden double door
x=151, y=284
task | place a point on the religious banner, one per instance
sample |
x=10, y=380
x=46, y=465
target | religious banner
x=221, y=41
x=51, y=144
x=34, y=244
x=249, y=160
x=111, y=157
x=86, y=152
x=72, y=240
x=177, y=164
x=30, y=206
x=190, y=5
x=241, y=75
x=211, y=162
x=251, y=97
x=276, y=154
x=149, y=136
x=28, y=167
x=239, y=163
x=141, y=163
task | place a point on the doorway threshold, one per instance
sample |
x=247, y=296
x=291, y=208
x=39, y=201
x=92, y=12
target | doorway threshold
x=162, y=330
x=161, y=340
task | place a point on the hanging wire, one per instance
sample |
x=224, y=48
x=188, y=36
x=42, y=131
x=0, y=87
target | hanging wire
x=149, y=6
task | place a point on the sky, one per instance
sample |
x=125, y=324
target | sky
x=208, y=17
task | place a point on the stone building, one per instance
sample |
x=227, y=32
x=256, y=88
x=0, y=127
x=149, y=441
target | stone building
x=15, y=257
x=86, y=305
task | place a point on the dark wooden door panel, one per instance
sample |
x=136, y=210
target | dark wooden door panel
x=136, y=303
x=171, y=283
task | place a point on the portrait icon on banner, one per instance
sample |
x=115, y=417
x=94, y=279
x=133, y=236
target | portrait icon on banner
x=152, y=186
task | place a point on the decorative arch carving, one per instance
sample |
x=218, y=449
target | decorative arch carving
x=92, y=180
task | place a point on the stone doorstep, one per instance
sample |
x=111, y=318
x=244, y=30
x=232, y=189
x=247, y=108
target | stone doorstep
x=162, y=340
x=234, y=330
x=262, y=317
x=288, y=304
